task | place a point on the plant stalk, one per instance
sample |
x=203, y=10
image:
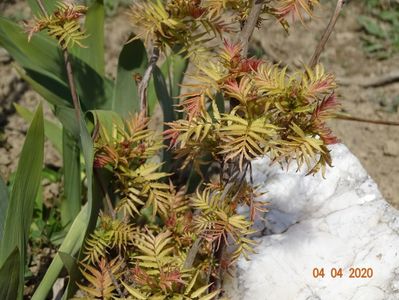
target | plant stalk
x=114, y=281
x=249, y=27
x=362, y=120
x=68, y=66
x=71, y=83
x=42, y=8
x=326, y=35
x=143, y=85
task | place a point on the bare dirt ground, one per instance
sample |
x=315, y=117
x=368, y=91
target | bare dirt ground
x=377, y=146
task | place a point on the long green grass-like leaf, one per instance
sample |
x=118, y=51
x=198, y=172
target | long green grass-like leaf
x=178, y=67
x=67, y=116
x=71, y=245
x=49, y=5
x=9, y=276
x=94, y=27
x=43, y=61
x=132, y=61
x=40, y=54
x=71, y=202
x=166, y=103
x=86, y=145
x=52, y=130
x=56, y=93
x=73, y=270
x=163, y=96
x=151, y=93
x=81, y=226
x=94, y=90
x=89, y=66
x=69, y=148
x=108, y=120
x=23, y=195
x=3, y=205
x=173, y=70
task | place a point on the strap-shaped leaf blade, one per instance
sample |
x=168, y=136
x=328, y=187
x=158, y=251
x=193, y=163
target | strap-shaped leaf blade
x=9, y=276
x=49, y=5
x=52, y=130
x=71, y=246
x=93, y=54
x=132, y=61
x=166, y=103
x=23, y=195
x=43, y=58
x=71, y=202
x=3, y=205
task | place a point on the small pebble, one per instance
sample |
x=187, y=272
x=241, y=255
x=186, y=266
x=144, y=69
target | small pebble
x=4, y=56
x=391, y=148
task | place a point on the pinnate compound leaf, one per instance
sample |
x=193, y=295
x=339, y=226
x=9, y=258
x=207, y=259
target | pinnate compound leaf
x=134, y=292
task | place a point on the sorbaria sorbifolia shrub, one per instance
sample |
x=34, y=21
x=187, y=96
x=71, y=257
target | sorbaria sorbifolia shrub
x=170, y=225
x=166, y=243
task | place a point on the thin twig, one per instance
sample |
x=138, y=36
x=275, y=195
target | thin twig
x=374, y=81
x=68, y=66
x=114, y=281
x=143, y=85
x=41, y=6
x=217, y=279
x=251, y=177
x=326, y=35
x=355, y=119
x=241, y=181
x=250, y=25
x=192, y=253
x=221, y=246
x=71, y=83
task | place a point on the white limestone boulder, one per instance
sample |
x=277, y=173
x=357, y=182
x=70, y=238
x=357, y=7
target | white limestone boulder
x=338, y=222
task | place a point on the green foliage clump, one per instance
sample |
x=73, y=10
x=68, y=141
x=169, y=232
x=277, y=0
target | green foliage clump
x=274, y=113
x=380, y=24
x=157, y=226
x=62, y=25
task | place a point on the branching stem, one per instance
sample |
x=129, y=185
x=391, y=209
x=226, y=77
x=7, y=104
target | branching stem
x=68, y=66
x=192, y=253
x=355, y=119
x=71, y=83
x=114, y=281
x=250, y=25
x=41, y=6
x=143, y=85
x=327, y=33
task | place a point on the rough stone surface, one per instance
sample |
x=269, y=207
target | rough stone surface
x=391, y=148
x=338, y=222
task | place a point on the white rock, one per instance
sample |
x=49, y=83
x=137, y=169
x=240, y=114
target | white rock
x=338, y=222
